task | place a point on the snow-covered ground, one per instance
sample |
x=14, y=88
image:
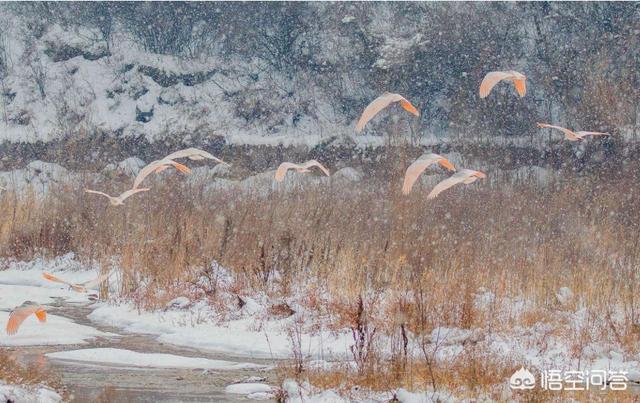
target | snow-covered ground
x=116, y=356
x=22, y=281
x=56, y=331
x=249, y=331
x=253, y=334
x=27, y=394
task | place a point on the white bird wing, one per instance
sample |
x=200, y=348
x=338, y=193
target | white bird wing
x=146, y=171
x=131, y=192
x=568, y=133
x=95, y=282
x=453, y=180
x=156, y=166
x=379, y=104
x=187, y=152
x=314, y=163
x=583, y=134
x=415, y=170
x=55, y=279
x=491, y=79
x=98, y=193
x=18, y=315
x=194, y=154
x=283, y=168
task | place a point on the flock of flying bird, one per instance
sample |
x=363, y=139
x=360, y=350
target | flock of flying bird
x=464, y=176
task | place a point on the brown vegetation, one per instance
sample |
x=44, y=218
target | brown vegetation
x=33, y=374
x=343, y=247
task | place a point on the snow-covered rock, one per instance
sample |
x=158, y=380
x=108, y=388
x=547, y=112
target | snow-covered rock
x=46, y=170
x=28, y=394
x=248, y=388
x=37, y=176
x=170, y=96
x=61, y=44
x=221, y=171
x=179, y=303
x=296, y=393
x=348, y=174
x=128, y=167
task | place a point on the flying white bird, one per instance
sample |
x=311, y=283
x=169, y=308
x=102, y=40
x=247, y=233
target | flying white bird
x=158, y=166
x=379, y=104
x=419, y=165
x=118, y=201
x=300, y=168
x=82, y=287
x=194, y=154
x=22, y=312
x=570, y=134
x=465, y=176
x=494, y=77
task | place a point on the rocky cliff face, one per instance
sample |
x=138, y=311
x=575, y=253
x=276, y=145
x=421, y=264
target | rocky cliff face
x=116, y=79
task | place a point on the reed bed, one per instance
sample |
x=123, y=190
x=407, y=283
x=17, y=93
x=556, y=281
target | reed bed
x=367, y=256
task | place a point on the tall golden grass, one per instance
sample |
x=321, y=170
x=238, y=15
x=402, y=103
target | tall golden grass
x=350, y=243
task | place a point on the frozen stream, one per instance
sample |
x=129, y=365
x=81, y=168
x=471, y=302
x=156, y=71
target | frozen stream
x=86, y=381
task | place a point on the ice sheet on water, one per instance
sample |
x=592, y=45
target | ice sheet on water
x=117, y=356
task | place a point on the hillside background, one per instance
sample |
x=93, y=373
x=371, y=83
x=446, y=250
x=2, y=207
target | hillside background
x=115, y=80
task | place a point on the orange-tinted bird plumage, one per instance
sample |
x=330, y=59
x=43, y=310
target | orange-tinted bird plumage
x=81, y=287
x=419, y=166
x=158, y=166
x=465, y=176
x=569, y=134
x=21, y=313
x=281, y=172
x=379, y=104
x=194, y=154
x=494, y=77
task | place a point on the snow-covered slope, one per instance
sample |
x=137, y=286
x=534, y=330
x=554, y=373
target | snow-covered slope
x=301, y=73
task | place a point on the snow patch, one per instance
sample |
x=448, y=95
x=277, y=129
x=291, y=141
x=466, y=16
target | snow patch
x=116, y=356
x=55, y=331
x=28, y=394
x=248, y=388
